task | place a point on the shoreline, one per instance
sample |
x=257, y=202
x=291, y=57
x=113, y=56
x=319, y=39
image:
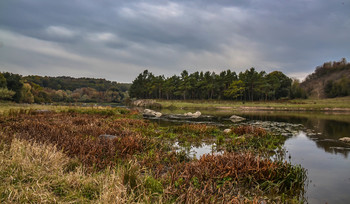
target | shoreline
x=323, y=105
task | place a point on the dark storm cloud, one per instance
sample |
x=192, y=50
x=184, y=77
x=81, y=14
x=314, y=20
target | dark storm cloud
x=118, y=39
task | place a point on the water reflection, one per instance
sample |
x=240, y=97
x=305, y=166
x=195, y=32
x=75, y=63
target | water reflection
x=324, y=132
x=328, y=174
x=196, y=151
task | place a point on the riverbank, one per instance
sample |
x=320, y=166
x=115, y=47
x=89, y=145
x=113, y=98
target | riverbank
x=95, y=154
x=334, y=105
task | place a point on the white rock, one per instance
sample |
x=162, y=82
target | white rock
x=193, y=115
x=149, y=112
x=197, y=114
x=157, y=114
x=235, y=118
x=345, y=139
x=227, y=131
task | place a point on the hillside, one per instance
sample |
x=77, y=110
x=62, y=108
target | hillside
x=39, y=89
x=332, y=79
x=71, y=83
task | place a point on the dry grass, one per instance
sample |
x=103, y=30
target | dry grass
x=78, y=135
x=37, y=173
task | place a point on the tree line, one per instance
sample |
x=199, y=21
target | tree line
x=38, y=89
x=250, y=85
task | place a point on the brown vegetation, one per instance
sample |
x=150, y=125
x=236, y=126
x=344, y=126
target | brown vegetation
x=78, y=135
x=138, y=164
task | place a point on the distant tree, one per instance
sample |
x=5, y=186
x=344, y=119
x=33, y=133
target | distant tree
x=185, y=84
x=141, y=87
x=279, y=84
x=252, y=80
x=6, y=94
x=170, y=87
x=3, y=83
x=157, y=85
x=209, y=79
x=26, y=94
x=235, y=89
x=337, y=88
x=296, y=91
x=14, y=83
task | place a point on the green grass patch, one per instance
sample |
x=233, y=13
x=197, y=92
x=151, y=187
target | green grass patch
x=300, y=104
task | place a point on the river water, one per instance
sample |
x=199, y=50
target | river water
x=312, y=141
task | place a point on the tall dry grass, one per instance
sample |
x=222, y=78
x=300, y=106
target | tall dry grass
x=40, y=173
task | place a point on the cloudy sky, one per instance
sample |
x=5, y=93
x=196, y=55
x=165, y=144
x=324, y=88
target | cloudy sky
x=117, y=40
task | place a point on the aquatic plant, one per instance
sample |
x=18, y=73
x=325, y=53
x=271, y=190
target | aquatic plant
x=223, y=178
x=249, y=130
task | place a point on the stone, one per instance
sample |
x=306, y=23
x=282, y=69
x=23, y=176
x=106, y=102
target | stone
x=345, y=139
x=226, y=131
x=193, y=115
x=197, y=114
x=151, y=113
x=157, y=114
x=235, y=118
x=109, y=137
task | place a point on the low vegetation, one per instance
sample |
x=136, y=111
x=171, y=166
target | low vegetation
x=329, y=104
x=59, y=156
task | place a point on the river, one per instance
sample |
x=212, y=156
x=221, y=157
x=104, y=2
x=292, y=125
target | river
x=312, y=141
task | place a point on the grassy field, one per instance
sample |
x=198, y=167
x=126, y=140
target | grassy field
x=59, y=156
x=337, y=104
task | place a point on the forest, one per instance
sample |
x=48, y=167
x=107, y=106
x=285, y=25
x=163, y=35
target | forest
x=38, y=89
x=332, y=79
x=227, y=85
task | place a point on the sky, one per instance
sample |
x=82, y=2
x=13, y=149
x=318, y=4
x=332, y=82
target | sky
x=117, y=40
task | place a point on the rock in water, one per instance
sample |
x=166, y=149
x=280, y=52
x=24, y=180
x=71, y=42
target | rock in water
x=157, y=114
x=149, y=112
x=235, y=118
x=193, y=115
x=345, y=139
x=226, y=131
x=197, y=114
x=188, y=114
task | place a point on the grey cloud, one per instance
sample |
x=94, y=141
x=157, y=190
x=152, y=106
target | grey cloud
x=168, y=36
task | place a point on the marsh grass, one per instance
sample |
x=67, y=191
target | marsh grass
x=37, y=173
x=58, y=156
x=223, y=178
x=254, y=139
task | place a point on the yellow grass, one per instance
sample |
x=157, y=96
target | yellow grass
x=36, y=173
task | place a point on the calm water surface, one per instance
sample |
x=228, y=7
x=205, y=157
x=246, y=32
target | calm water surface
x=312, y=141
